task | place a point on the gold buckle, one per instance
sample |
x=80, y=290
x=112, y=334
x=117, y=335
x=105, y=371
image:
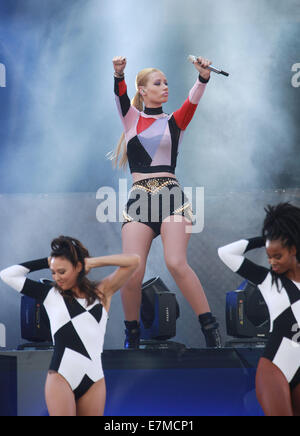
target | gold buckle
x=152, y=184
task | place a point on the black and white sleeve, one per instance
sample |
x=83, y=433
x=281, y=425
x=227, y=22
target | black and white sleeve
x=233, y=255
x=16, y=277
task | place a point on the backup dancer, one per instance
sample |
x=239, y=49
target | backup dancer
x=157, y=204
x=278, y=373
x=78, y=311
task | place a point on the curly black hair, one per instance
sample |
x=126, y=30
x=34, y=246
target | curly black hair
x=282, y=222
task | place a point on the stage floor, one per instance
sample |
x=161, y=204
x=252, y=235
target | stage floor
x=146, y=382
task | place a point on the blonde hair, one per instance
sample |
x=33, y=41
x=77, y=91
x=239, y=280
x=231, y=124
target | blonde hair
x=119, y=155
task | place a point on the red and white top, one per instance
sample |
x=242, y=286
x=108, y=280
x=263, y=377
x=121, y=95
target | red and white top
x=152, y=136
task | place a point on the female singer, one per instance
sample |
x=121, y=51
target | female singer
x=78, y=311
x=278, y=373
x=157, y=204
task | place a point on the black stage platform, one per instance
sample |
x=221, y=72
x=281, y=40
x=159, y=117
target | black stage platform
x=147, y=382
x=8, y=385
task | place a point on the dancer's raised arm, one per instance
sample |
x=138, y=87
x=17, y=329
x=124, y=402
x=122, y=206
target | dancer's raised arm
x=233, y=255
x=16, y=277
x=109, y=285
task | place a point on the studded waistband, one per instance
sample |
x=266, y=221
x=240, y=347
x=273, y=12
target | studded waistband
x=154, y=184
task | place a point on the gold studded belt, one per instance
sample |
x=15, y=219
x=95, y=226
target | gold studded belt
x=154, y=185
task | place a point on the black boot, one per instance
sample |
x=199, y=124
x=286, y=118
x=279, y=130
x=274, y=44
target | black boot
x=132, y=332
x=210, y=329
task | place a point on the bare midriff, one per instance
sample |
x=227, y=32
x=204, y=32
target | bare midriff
x=141, y=176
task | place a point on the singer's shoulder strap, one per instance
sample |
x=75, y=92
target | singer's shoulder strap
x=184, y=115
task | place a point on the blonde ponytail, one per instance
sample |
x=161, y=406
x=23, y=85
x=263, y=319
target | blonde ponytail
x=138, y=102
x=119, y=155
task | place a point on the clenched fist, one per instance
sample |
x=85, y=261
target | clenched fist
x=119, y=63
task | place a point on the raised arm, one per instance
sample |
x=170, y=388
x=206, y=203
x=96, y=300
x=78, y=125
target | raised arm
x=233, y=255
x=127, y=112
x=184, y=115
x=127, y=264
x=16, y=277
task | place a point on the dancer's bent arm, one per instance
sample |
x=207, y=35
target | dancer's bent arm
x=111, y=284
x=16, y=277
x=233, y=255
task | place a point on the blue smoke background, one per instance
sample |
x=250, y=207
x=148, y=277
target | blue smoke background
x=58, y=121
x=58, y=118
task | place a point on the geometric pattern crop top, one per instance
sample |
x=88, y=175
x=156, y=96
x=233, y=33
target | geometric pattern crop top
x=153, y=137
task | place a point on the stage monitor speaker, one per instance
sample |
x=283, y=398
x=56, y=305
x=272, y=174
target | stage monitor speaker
x=159, y=311
x=247, y=314
x=35, y=325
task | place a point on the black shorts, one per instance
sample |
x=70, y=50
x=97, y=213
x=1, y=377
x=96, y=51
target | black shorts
x=153, y=200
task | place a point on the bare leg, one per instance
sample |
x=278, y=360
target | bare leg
x=175, y=241
x=273, y=390
x=296, y=400
x=93, y=402
x=59, y=396
x=137, y=239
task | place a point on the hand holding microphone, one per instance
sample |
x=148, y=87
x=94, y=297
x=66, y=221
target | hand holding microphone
x=203, y=65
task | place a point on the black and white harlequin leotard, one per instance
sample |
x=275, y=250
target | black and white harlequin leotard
x=283, y=348
x=77, y=330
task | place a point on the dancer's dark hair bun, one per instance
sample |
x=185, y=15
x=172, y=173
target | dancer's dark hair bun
x=70, y=248
x=73, y=250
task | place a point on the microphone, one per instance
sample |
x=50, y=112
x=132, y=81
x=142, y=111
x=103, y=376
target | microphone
x=193, y=59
